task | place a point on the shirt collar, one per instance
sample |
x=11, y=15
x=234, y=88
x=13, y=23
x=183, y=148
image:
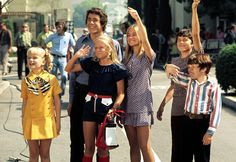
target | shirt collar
x=42, y=74
x=209, y=80
x=86, y=38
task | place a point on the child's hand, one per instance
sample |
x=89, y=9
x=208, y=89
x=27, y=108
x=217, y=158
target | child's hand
x=111, y=114
x=83, y=51
x=133, y=13
x=69, y=108
x=207, y=139
x=172, y=69
x=58, y=125
x=160, y=112
x=195, y=4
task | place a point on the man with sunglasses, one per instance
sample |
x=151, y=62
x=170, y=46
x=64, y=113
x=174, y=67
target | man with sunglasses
x=23, y=43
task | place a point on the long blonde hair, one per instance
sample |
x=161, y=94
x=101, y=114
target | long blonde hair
x=43, y=53
x=109, y=42
x=128, y=48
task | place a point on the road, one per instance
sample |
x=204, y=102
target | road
x=13, y=145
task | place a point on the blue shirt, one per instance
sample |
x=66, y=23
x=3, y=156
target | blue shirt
x=82, y=76
x=60, y=43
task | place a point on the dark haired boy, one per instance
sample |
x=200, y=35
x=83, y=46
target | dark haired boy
x=202, y=106
x=187, y=43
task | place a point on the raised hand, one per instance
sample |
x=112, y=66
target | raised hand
x=83, y=51
x=195, y=4
x=133, y=13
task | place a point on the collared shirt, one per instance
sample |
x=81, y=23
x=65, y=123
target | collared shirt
x=60, y=43
x=5, y=38
x=23, y=39
x=39, y=113
x=82, y=77
x=42, y=36
x=202, y=98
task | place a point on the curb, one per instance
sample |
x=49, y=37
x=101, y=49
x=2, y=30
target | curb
x=3, y=86
x=229, y=101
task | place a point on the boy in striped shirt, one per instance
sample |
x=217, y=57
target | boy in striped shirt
x=202, y=105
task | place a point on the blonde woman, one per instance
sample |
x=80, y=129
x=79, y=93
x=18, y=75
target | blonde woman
x=139, y=59
x=106, y=90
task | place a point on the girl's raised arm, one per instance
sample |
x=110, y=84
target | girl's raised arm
x=142, y=34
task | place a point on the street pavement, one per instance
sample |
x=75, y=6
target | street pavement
x=13, y=146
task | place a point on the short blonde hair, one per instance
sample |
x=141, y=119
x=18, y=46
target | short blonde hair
x=109, y=42
x=43, y=53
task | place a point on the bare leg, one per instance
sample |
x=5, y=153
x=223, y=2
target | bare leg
x=134, y=146
x=45, y=150
x=89, y=137
x=143, y=134
x=33, y=150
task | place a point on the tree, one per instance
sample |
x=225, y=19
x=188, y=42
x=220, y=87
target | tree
x=137, y=5
x=165, y=26
x=79, y=15
x=216, y=7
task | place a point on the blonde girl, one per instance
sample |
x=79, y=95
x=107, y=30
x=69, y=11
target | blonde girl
x=106, y=90
x=41, y=105
x=139, y=59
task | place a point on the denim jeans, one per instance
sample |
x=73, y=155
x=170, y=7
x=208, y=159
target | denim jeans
x=60, y=63
x=4, y=57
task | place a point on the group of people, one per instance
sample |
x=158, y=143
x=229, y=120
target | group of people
x=102, y=80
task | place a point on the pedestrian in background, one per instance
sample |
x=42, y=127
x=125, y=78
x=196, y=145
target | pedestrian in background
x=187, y=44
x=139, y=60
x=41, y=105
x=61, y=41
x=96, y=20
x=105, y=90
x=230, y=36
x=43, y=36
x=23, y=43
x=5, y=47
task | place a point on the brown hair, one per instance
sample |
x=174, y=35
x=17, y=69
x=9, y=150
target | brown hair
x=184, y=33
x=62, y=23
x=100, y=13
x=203, y=61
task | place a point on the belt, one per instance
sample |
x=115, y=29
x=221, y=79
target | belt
x=197, y=116
x=57, y=55
x=98, y=96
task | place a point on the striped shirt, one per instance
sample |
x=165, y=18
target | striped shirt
x=202, y=98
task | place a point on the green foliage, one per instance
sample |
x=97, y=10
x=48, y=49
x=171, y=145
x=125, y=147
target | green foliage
x=226, y=67
x=79, y=15
x=215, y=7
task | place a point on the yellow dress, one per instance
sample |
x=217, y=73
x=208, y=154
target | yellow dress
x=39, y=115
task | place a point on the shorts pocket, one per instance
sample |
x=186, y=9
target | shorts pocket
x=106, y=101
x=88, y=98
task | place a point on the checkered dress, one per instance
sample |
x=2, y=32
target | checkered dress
x=139, y=97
